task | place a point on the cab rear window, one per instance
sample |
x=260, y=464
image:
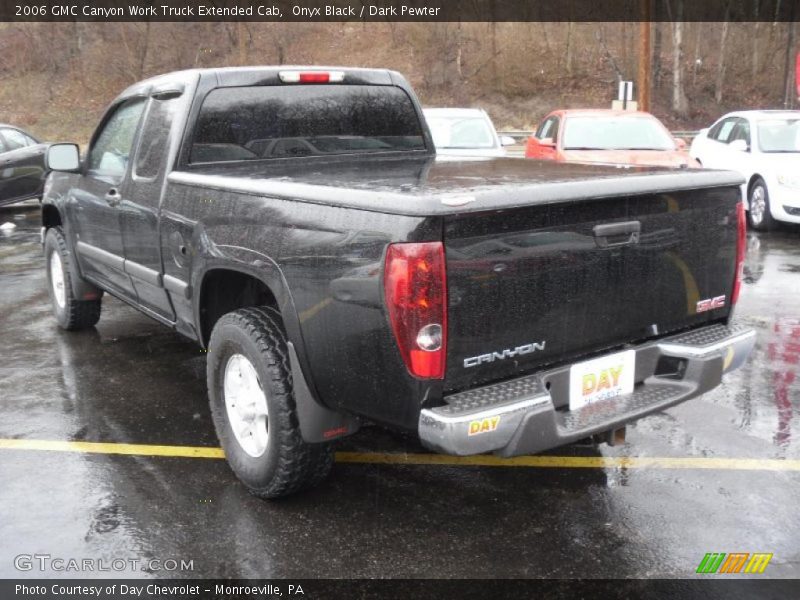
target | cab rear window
x=265, y=122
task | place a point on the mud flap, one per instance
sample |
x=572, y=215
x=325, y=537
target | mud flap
x=317, y=423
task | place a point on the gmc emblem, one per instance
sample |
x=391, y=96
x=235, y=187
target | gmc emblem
x=710, y=304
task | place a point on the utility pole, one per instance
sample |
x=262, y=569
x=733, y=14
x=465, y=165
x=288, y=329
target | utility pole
x=644, y=79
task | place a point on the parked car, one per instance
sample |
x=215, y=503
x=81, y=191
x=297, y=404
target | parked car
x=465, y=132
x=607, y=136
x=22, y=172
x=498, y=305
x=764, y=146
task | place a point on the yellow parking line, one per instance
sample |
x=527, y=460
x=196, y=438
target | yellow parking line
x=111, y=448
x=571, y=462
x=483, y=460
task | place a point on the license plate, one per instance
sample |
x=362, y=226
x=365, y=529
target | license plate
x=601, y=378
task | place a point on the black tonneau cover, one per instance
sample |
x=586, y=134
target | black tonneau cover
x=441, y=186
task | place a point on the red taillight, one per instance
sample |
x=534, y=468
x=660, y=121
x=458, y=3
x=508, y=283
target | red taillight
x=415, y=287
x=741, y=238
x=314, y=77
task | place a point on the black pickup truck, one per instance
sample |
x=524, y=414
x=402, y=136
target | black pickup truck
x=296, y=223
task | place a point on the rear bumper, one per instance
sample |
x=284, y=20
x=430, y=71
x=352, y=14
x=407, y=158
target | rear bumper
x=530, y=414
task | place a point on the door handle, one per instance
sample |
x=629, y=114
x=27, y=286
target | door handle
x=113, y=197
x=610, y=235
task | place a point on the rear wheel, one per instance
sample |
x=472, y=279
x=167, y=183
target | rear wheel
x=70, y=312
x=758, y=212
x=253, y=407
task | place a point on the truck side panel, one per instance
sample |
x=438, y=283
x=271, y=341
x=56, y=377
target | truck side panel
x=331, y=261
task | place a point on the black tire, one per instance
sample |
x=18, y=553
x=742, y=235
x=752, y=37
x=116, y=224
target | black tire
x=288, y=464
x=766, y=222
x=72, y=314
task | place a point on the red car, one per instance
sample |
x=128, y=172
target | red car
x=607, y=136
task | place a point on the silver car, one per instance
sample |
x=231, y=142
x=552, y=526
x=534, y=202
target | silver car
x=465, y=132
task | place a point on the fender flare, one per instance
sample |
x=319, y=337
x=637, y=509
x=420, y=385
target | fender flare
x=80, y=287
x=317, y=422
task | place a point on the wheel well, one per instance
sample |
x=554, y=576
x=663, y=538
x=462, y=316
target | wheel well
x=50, y=216
x=751, y=182
x=224, y=291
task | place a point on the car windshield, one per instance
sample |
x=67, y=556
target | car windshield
x=615, y=133
x=461, y=132
x=779, y=135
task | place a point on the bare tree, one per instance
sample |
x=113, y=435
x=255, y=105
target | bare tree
x=680, y=103
x=144, y=50
x=568, y=59
x=789, y=92
x=721, y=63
x=600, y=35
x=754, y=58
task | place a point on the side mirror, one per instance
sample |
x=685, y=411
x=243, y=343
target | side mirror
x=63, y=157
x=680, y=144
x=507, y=140
x=547, y=142
x=739, y=146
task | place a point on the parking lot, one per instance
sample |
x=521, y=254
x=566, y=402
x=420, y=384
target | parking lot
x=107, y=451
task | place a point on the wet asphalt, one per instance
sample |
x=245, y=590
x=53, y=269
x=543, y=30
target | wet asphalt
x=131, y=380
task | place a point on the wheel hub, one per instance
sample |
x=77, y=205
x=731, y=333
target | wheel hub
x=758, y=204
x=246, y=405
x=57, y=279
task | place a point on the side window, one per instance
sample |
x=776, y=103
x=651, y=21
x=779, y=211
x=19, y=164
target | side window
x=291, y=147
x=3, y=147
x=548, y=129
x=155, y=138
x=15, y=139
x=742, y=132
x=723, y=133
x=111, y=150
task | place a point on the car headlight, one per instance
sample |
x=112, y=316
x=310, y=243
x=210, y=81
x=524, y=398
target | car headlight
x=789, y=180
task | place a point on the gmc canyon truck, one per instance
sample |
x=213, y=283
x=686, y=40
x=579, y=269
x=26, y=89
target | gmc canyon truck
x=297, y=224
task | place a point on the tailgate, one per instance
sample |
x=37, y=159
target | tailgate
x=539, y=285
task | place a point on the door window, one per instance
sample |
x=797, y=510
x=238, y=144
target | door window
x=109, y=155
x=741, y=132
x=548, y=129
x=721, y=132
x=14, y=139
x=155, y=138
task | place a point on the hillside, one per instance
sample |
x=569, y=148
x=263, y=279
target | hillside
x=57, y=78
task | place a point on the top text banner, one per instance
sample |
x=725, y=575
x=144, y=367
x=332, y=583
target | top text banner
x=400, y=10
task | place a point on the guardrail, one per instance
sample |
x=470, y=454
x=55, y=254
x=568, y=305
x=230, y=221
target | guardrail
x=686, y=135
x=520, y=136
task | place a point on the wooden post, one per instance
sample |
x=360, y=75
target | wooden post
x=644, y=80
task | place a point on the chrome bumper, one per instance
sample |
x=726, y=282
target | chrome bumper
x=526, y=415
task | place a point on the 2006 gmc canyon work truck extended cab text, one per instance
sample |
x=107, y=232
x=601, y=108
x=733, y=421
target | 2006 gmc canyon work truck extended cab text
x=297, y=224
